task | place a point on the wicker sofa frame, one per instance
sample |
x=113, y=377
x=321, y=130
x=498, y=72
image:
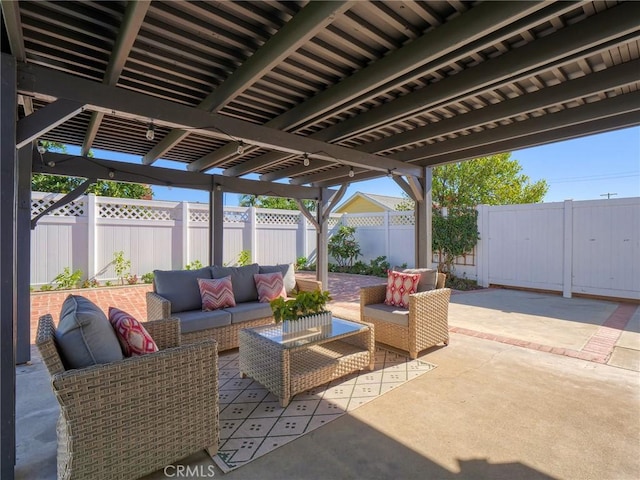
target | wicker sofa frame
x=428, y=323
x=226, y=336
x=126, y=419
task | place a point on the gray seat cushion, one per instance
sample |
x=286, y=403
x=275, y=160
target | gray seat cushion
x=244, y=312
x=288, y=275
x=198, y=320
x=180, y=287
x=387, y=313
x=244, y=287
x=84, y=335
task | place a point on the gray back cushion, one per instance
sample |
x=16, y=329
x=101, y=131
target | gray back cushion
x=288, y=275
x=244, y=286
x=84, y=335
x=180, y=287
x=428, y=277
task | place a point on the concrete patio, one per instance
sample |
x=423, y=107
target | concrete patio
x=532, y=386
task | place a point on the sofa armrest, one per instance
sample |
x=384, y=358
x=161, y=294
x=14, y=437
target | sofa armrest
x=305, y=285
x=158, y=307
x=372, y=295
x=165, y=332
x=428, y=310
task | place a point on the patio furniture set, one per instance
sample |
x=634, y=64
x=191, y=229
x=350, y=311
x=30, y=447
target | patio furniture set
x=126, y=416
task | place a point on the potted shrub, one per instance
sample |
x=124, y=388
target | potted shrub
x=305, y=310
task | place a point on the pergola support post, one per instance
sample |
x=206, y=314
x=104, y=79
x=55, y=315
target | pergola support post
x=423, y=217
x=216, y=225
x=23, y=255
x=322, y=242
x=8, y=278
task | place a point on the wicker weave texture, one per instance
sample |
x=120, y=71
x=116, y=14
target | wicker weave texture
x=428, y=323
x=227, y=335
x=288, y=371
x=126, y=419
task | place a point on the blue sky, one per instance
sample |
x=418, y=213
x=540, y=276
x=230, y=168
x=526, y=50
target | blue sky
x=581, y=169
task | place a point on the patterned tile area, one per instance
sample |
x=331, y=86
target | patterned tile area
x=253, y=423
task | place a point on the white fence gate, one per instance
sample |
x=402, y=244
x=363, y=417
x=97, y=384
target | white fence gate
x=589, y=247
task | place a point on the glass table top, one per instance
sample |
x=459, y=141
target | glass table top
x=336, y=328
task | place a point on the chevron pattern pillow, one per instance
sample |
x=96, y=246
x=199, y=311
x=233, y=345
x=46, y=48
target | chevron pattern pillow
x=133, y=337
x=270, y=286
x=216, y=293
x=399, y=287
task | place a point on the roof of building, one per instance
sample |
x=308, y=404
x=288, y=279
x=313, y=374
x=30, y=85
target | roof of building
x=384, y=201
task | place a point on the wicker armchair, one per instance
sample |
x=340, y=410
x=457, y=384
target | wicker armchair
x=129, y=418
x=424, y=324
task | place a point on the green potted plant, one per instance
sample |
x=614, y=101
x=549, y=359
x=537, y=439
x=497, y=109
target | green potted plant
x=305, y=310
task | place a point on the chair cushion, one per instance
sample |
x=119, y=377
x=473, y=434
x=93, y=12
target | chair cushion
x=244, y=287
x=288, y=274
x=201, y=320
x=180, y=287
x=84, y=335
x=387, y=313
x=245, y=312
x=216, y=293
x=428, y=277
x=133, y=337
x=270, y=286
x=399, y=287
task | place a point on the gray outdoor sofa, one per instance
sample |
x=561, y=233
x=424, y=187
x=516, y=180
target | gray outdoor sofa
x=176, y=295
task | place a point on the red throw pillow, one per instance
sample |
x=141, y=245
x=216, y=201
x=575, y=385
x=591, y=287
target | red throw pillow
x=133, y=337
x=270, y=286
x=216, y=293
x=399, y=287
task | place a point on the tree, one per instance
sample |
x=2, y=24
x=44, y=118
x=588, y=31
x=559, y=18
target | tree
x=494, y=180
x=41, y=182
x=280, y=203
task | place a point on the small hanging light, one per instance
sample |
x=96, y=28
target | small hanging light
x=112, y=174
x=51, y=163
x=389, y=174
x=151, y=131
x=305, y=160
x=41, y=148
x=351, y=173
x=240, y=149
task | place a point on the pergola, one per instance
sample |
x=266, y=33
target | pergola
x=304, y=95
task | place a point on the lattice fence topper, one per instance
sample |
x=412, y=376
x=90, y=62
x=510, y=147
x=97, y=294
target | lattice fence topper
x=198, y=215
x=397, y=220
x=277, y=218
x=231, y=216
x=368, y=221
x=333, y=221
x=71, y=209
x=133, y=212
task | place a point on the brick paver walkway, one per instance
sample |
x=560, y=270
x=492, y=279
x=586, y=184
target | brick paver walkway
x=344, y=289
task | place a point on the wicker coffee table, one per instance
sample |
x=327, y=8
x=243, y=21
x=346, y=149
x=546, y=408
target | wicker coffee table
x=290, y=363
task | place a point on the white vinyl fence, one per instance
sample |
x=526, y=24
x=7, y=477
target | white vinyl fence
x=590, y=247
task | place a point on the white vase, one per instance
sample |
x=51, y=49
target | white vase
x=307, y=322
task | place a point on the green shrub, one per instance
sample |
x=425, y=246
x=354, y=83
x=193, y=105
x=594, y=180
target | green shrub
x=93, y=283
x=343, y=246
x=148, y=277
x=121, y=265
x=196, y=264
x=301, y=263
x=244, y=258
x=67, y=279
x=46, y=288
x=379, y=266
